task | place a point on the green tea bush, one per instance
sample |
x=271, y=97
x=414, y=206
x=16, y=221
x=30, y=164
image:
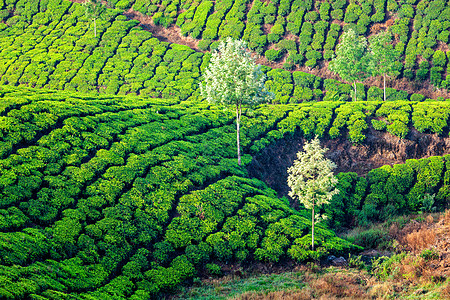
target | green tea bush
x=379, y=124
x=439, y=59
x=273, y=55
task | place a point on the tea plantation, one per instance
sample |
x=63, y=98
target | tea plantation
x=118, y=181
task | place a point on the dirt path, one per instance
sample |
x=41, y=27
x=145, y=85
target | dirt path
x=172, y=34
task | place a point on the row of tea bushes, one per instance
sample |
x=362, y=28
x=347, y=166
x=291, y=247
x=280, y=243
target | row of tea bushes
x=133, y=196
x=416, y=186
x=420, y=27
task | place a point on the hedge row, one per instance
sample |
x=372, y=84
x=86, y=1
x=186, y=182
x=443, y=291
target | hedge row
x=125, y=59
x=126, y=195
x=266, y=23
x=106, y=179
x=391, y=190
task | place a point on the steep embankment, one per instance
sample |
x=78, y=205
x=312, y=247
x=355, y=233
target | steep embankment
x=378, y=149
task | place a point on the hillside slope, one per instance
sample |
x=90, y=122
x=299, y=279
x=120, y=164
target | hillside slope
x=52, y=45
x=127, y=197
x=123, y=196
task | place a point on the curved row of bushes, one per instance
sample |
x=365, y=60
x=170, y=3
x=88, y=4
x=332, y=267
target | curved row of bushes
x=418, y=185
x=55, y=48
x=419, y=26
x=132, y=196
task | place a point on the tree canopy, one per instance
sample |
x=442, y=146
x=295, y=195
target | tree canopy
x=352, y=61
x=384, y=57
x=311, y=178
x=233, y=78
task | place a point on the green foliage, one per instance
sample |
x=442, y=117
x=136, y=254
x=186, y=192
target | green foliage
x=139, y=154
x=384, y=56
x=214, y=269
x=379, y=124
x=429, y=254
x=439, y=59
x=352, y=60
x=273, y=55
x=233, y=59
x=311, y=179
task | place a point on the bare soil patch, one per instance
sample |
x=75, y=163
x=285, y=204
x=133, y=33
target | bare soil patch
x=379, y=148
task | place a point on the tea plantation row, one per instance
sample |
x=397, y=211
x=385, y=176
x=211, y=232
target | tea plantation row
x=121, y=196
x=128, y=197
x=308, y=31
x=51, y=44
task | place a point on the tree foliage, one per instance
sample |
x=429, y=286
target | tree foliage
x=311, y=178
x=94, y=8
x=352, y=61
x=233, y=78
x=384, y=57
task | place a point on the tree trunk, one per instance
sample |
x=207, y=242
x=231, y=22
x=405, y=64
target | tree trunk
x=238, y=120
x=95, y=28
x=384, y=86
x=312, y=242
x=354, y=83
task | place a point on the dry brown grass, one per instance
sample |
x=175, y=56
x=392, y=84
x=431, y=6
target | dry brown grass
x=381, y=290
x=303, y=294
x=421, y=239
x=445, y=294
x=446, y=218
x=341, y=285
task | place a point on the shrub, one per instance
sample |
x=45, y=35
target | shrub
x=337, y=14
x=374, y=94
x=311, y=16
x=374, y=238
x=328, y=54
x=352, y=13
x=436, y=76
x=439, y=59
x=214, y=269
x=306, y=80
x=273, y=55
x=324, y=10
x=409, y=74
x=429, y=254
x=378, y=124
x=422, y=74
x=204, y=44
x=417, y=97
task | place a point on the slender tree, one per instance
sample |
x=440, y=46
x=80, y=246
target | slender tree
x=352, y=60
x=384, y=57
x=311, y=179
x=94, y=8
x=234, y=79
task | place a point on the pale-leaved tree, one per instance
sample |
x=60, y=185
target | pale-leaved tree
x=352, y=61
x=94, y=8
x=384, y=57
x=234, y=79
x=311, y=179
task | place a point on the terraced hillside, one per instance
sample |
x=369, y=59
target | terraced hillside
x=124, y=196
x=117, y=181
x=127, y=196
x=303, y=34
x=52, y=45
